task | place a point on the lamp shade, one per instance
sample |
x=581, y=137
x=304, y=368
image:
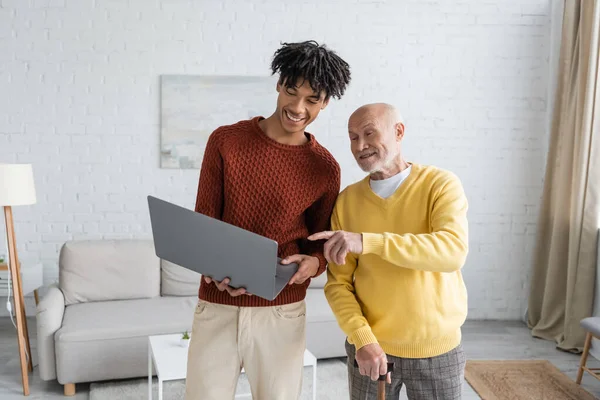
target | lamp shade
x=16, y=185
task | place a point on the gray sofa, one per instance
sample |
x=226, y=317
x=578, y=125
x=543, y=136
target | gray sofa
x=112, y=294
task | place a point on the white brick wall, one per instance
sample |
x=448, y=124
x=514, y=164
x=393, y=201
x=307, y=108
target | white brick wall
x=80, y=100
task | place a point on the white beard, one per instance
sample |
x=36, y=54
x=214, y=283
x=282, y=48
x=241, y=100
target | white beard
x=380, y=166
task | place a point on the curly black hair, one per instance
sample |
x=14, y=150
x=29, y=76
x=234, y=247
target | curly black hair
x=323, y=68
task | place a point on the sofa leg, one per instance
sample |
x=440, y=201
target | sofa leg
x=70, y=389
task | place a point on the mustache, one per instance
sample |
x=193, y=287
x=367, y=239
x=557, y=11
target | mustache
x=366, y=153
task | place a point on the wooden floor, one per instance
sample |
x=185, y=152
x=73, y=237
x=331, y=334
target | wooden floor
x=481, y=340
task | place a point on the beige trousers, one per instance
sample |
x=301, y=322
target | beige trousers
x=268, y=342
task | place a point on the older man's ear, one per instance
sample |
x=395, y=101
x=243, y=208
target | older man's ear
x=399, y=131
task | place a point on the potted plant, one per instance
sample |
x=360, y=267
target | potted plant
x=185, y=339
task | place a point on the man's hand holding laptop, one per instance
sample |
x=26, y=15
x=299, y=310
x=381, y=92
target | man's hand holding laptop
x=224, y=285
x=307, y=268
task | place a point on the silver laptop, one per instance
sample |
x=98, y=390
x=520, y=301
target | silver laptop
x=217, y=249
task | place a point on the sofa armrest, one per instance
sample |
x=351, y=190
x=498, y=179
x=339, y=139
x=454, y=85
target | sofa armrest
x=49, y=317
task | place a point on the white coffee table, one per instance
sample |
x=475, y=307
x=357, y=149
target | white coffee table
x=169, y=359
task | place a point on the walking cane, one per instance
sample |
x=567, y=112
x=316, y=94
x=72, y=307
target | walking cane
x=381, y=381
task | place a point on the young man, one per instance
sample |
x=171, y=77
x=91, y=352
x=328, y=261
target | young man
x=271, y=177
x=394, y=282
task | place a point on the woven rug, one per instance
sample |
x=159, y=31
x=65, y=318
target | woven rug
x=522, y=379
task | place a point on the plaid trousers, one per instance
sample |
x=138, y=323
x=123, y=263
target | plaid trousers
x=435, y=378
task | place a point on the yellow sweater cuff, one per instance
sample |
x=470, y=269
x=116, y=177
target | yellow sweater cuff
x=362, y=337
x=372, y=243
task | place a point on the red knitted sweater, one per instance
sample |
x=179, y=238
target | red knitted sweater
x=283, y=192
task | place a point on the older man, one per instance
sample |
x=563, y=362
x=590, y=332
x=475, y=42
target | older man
x=395, y=255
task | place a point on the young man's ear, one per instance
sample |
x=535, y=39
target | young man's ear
x=325, y=103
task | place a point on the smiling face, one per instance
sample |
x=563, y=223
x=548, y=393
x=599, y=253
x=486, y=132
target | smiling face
x=375, y=137
x=298, y=106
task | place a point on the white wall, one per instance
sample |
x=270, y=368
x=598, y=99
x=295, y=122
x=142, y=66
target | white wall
x=80, y=100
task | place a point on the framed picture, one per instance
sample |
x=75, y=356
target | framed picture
x=192, y=107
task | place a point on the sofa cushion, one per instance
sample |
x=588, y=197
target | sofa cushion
x=317, y=307
x=178, y=281
x=101, y=270
x=109, y=340
x=101, y=360
x=106, y=320
x=324, y=337
x=319, y=281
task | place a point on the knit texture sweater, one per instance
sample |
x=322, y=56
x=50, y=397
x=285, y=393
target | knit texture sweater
x=283, y=192
x=405, y=291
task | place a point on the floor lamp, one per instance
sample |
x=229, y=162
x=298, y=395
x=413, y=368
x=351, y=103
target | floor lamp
x=17, y=188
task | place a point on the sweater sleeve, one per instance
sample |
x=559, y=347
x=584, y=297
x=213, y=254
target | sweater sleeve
x=340, y=294
x=444, y=249
x=209, y=199
x=318, y=218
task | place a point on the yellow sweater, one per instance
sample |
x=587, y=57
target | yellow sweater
x=405, y=291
